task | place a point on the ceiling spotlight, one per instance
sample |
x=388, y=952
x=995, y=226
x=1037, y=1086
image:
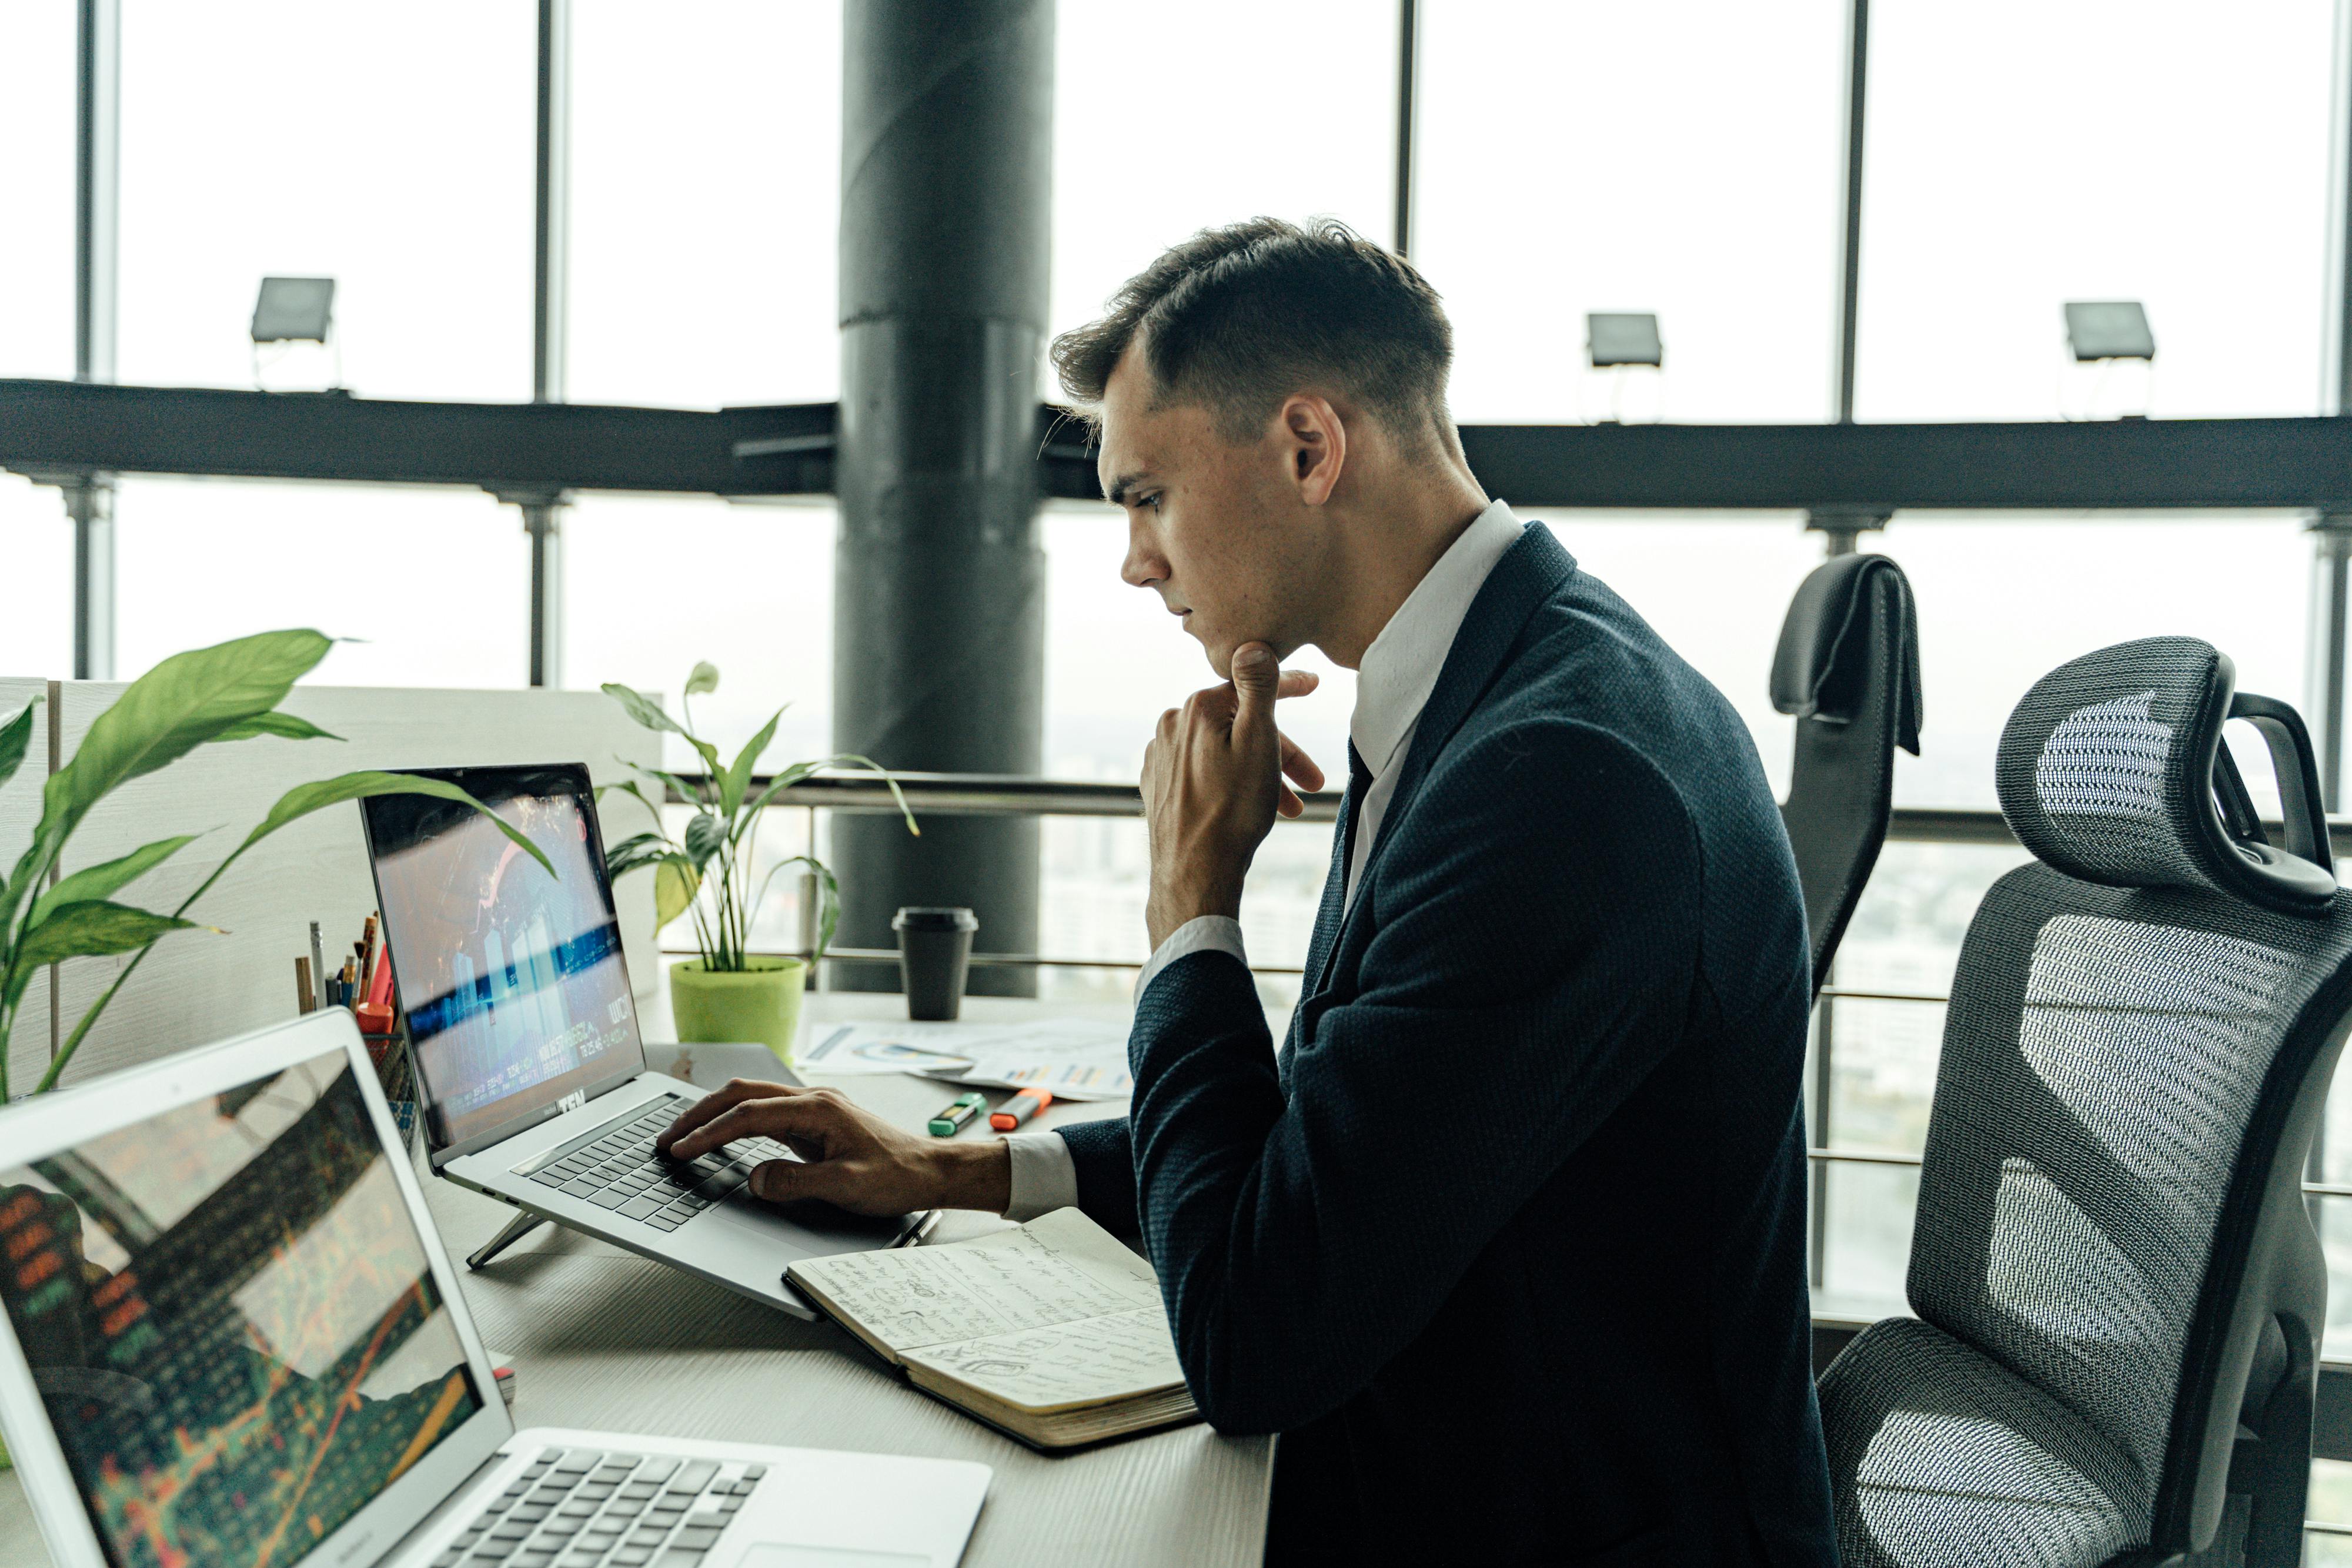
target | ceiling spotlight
x=1617, y=337
x=298, y=309
x=2110, y=329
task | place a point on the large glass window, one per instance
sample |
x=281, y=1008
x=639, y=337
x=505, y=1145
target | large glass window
x=391, y=150
x=706, y=179
x=37, y=606
x=37, y=170
x=1160, y=129
x=2021, y=155
x=654, y=584
x=431, y=586
x=2004, y=599
x=1682, y=159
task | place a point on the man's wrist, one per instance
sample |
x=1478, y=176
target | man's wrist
x=977, y=1175
x=1169, y=912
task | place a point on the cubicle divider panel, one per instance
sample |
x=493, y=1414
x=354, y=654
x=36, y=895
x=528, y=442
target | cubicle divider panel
x=20, y=809
x=197, y=986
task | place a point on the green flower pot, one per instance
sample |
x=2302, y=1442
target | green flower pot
x=762, y=1003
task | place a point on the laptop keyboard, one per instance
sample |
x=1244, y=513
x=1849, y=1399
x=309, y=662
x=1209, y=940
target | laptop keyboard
x=584, y=1508
x=616, y=1168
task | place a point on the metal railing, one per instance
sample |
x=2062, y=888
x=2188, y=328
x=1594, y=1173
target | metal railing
x=991, y=795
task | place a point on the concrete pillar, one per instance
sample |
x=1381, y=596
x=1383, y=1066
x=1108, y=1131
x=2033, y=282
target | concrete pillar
x=939, y=586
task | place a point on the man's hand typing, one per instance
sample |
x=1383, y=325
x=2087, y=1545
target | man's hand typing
x=848, y=1156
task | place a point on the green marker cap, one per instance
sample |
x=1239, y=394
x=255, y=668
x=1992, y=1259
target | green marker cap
x=959, y=1115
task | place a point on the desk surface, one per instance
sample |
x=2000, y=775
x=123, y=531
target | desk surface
x=603, y=1339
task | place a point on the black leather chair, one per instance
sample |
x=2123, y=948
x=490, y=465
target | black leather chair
x=1848, y=668
x=2120, y=1296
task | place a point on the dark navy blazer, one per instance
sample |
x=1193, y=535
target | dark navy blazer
x=1509, y=1240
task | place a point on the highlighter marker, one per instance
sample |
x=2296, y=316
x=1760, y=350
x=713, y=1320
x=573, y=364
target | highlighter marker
x=959, y=1115
x=1020, y=1108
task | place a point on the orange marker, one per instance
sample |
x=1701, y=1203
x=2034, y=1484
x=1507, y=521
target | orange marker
x=1020, y=1108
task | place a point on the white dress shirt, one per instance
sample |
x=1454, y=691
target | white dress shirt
x=1399, y=672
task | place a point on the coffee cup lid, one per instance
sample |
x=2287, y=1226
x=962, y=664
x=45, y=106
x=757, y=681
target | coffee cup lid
x=917, y=919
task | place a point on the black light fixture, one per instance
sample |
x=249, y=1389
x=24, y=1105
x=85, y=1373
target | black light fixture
x=295, y=309
x=1623, y=337
x=2110, y=329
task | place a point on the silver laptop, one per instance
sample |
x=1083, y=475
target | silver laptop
x=232, y=1339
x=531, y=1080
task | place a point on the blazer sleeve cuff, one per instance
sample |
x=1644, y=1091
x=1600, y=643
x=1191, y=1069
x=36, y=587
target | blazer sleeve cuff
x=1208, y=934
x=1044, y=1177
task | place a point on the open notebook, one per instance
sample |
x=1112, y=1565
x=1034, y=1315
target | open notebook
x=1053, y=1332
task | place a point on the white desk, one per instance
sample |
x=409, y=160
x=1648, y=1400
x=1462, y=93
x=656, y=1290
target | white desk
x=601, y=1338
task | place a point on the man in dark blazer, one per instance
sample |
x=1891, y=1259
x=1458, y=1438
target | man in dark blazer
x=1507, y=1239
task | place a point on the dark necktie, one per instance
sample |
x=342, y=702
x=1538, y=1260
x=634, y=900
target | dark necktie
x=1334, y=886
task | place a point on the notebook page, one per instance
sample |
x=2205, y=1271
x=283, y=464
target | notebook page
x=1077, y=1363
x=1058, y=1269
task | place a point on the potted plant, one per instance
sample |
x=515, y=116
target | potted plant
x=728, y=993
x=211, y=696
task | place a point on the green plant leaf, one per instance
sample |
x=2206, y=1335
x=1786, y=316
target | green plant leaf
x=691, y=794
x=106, y=880
x=294, y=804
x=636, y=854
x=676, y=881
x=641, y=708
x=706, y=835
x=183, y=702
x=705, y=678
x=739, y=776
x=305, y=798
x=629, y=787
x=15, y=739
x=283, y=725
x=91, y=929
x=800, y=771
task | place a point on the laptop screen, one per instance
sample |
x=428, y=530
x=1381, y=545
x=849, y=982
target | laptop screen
x=229, y=1315
x=513, y=982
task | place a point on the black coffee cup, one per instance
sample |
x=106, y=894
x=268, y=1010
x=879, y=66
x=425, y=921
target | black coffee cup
x=934, y=951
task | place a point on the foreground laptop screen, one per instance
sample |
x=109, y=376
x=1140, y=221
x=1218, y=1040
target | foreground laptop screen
x=228, y=1314
x=513, y=981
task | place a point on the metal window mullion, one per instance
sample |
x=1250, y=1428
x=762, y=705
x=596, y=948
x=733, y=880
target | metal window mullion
x=1857, y=61
x=1408, y=119
x=542, y=514
x=89, y=497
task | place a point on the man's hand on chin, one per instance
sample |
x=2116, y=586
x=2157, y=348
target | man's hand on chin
x=1213, y=784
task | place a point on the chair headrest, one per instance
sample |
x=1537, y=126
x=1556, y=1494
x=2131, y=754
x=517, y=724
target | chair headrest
x=1821, y=669
x=2112, y=770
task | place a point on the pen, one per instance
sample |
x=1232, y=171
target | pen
x=1020, y=1108
x=959, y=1115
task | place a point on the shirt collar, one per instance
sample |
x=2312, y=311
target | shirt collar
x=1401, y=668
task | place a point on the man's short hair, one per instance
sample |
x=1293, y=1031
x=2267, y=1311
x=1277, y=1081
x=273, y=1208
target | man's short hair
x=1237, y=318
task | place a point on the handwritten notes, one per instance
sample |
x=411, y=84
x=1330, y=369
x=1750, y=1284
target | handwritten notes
x=1053, y=1332
x=1060, y=1269
x=1070, y=1365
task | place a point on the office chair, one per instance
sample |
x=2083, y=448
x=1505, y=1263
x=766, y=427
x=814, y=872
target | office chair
x=2120, y=1295
x=1848, y=668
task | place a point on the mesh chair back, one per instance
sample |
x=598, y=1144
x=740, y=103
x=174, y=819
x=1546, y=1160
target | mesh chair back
x=1848, y=668
x=2131, y=1022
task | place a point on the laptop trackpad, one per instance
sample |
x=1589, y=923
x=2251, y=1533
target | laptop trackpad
x=806, y=1219
x=768, y=1554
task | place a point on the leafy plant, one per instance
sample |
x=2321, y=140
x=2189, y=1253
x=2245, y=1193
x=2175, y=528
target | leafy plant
x=707, y=872
x=210, y=696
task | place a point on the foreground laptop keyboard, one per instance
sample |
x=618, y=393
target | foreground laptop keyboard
x=617, y=1169
x=583, y=1508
